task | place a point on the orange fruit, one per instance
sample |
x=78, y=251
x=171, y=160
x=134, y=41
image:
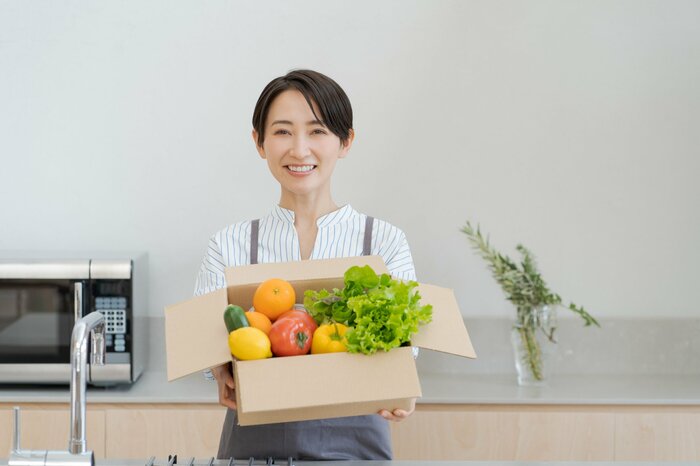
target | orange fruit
x=274, y=297
x=259, y=320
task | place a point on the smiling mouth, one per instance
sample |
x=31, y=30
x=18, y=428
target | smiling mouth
x=301, y=168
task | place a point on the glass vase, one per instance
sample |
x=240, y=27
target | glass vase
x=534, y=346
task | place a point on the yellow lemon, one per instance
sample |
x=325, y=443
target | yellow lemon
x=249, y=343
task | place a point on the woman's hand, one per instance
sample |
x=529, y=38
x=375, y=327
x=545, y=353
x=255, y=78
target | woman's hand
x=224, y=379
x=397, y=415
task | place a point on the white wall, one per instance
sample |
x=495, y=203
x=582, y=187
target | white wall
x=569, y=126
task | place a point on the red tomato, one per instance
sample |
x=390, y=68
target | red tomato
x=302, y=315
x=291, y=335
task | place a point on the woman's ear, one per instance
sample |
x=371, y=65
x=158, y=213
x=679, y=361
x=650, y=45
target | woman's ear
x=260, y=149
x=345, y=145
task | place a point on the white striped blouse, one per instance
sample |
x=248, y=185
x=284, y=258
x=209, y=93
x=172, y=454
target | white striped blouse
x=340, y=234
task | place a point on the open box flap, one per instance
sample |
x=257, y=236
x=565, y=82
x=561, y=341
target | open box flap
x=301, y=270
x=188, y=348
x=446, y=332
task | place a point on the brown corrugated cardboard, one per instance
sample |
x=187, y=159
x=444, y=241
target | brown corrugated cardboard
x=194, y=337
x=315, y=386
x=324, y=385
x=446, y=332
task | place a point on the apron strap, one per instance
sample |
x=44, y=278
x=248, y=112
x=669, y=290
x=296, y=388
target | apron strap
x=367, y=246
x=254, y=228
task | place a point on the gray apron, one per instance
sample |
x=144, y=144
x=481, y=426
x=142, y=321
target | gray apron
x=344, y=438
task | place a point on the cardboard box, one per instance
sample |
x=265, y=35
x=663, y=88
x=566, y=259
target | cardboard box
x=310, y=386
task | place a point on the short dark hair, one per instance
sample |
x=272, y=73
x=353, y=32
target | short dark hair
x=332, y=102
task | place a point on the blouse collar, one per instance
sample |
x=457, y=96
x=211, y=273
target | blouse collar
x=332, y=218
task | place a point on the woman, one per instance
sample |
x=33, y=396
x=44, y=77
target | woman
x=302, y=125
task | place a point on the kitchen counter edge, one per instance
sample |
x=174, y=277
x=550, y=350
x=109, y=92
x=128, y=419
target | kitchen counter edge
x=153, y=388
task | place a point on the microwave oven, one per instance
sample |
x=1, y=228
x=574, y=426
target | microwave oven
x=42, y=298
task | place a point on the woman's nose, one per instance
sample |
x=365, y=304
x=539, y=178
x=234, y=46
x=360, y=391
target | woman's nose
x=300, y=147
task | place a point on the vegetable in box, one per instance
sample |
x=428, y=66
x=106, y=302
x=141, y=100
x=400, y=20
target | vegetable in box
x=382, y=312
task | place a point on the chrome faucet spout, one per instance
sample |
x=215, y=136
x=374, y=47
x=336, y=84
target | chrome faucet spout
x=77, y=454
x=92, y=324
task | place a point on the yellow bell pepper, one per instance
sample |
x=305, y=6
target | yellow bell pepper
x=329, y=338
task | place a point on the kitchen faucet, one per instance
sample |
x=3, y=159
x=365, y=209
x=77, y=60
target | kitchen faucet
x=77, y=454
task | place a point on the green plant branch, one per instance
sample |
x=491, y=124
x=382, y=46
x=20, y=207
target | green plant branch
x=524, y=286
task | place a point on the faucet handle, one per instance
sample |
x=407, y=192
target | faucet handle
x=97, y=351
x=19, y=457
x=16, y=432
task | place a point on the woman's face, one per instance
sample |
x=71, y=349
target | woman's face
x=300, y=151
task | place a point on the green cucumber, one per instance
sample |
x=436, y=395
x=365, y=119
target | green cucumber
x=234, y=318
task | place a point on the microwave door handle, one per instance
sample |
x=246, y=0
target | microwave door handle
x=78, y=300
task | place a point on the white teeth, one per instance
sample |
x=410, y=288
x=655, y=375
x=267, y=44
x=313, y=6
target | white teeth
x=301, y=168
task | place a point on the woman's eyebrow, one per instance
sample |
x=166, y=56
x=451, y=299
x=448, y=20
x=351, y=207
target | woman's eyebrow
x=281, y=122
x=287, y=122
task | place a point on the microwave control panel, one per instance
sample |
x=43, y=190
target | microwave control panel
x=114, y=310
x=112, y=298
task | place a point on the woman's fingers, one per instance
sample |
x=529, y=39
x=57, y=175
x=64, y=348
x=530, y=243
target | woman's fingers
x=398, y=414
x=227, y=397
x=224, y=380
x=395, y=415
x=227, y=379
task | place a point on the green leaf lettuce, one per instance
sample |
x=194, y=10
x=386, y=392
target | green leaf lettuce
x=383, y=312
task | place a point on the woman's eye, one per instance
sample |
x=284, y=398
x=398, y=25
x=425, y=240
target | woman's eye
x=281, y=131
x=319, y=131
